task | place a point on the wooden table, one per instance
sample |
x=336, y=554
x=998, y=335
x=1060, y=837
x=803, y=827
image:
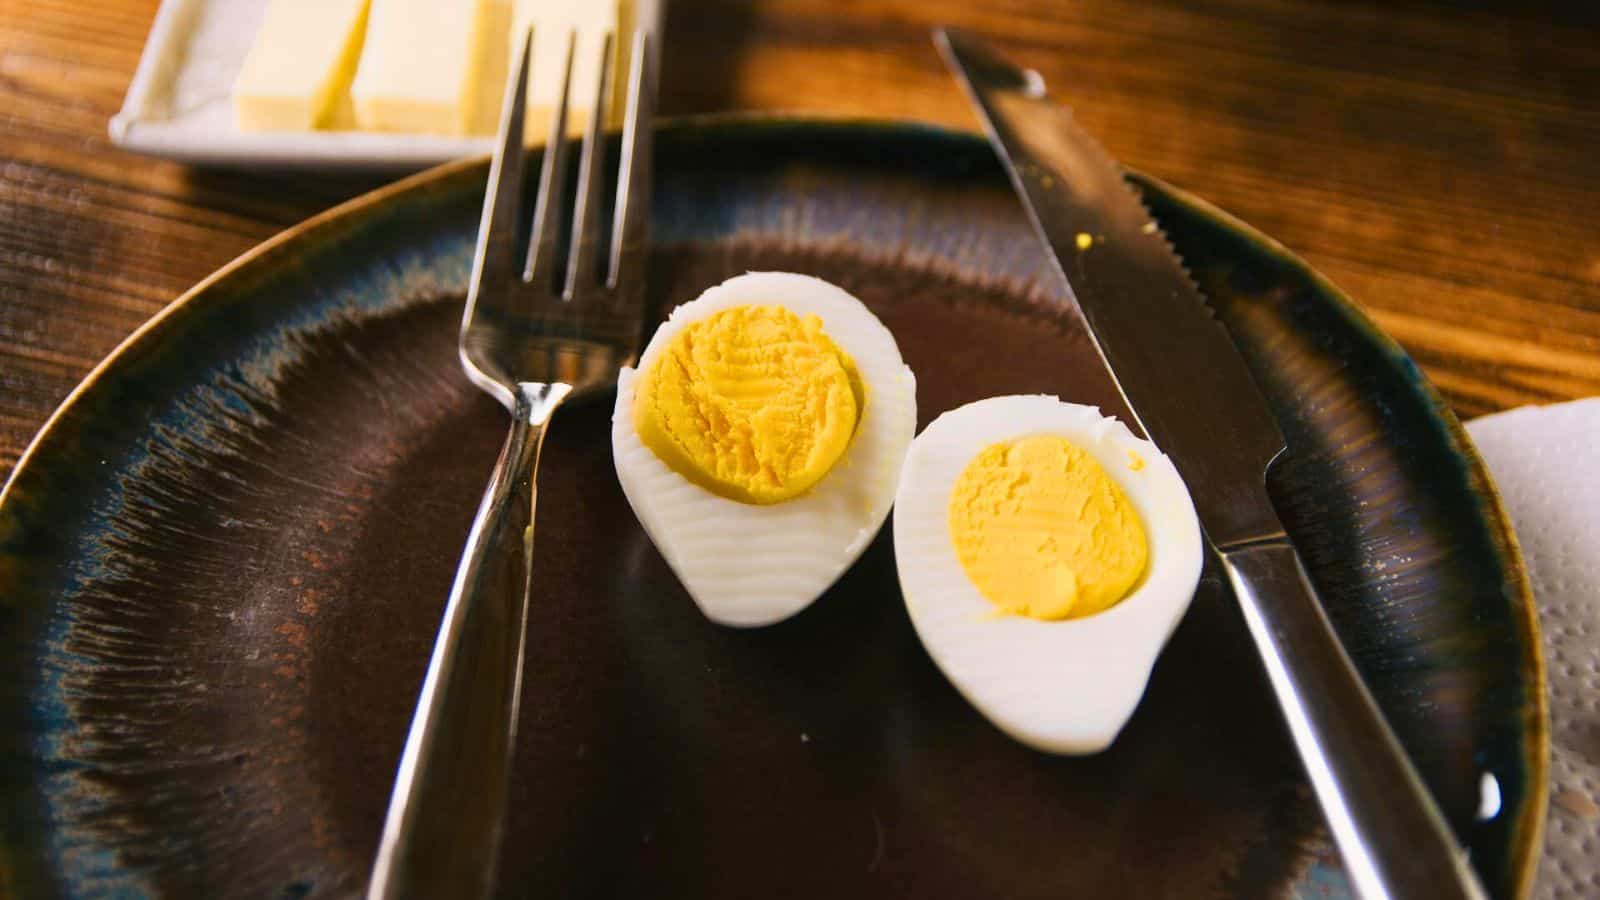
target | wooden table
x=1440, y=162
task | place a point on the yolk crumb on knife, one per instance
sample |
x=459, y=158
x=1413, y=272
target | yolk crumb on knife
x=753, y=403
x=1042, y=531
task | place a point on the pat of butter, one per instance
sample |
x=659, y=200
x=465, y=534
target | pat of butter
x=552, y=22
x=299, y=68
x=423, y=65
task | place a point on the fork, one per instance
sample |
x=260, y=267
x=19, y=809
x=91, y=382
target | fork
x=534, y=334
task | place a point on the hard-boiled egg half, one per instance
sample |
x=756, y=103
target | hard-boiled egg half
x=1046, y=555
x=760, y=441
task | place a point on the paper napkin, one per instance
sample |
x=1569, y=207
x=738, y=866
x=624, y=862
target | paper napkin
x=1546, y=463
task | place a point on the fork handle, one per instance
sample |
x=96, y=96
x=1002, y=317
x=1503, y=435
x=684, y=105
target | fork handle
x=1394, y=841
x=442, y=833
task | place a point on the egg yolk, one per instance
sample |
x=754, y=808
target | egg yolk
x=753, y=403
x=1044, y=532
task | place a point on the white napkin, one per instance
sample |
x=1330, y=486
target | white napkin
x=1546, y=463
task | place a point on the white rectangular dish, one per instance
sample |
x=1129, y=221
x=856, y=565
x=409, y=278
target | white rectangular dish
x=179, y=103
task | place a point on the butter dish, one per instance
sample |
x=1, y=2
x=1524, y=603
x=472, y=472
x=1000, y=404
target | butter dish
x=179, y=104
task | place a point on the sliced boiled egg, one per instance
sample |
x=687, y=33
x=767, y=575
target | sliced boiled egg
x=1045, y=555
x=760, y=441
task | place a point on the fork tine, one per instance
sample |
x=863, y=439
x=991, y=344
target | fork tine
x=631, y=228
x=494, y=259
x=546, y=232
x=582, y=271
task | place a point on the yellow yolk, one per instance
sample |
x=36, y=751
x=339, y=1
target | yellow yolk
x=1044, y=532
x=754, y=403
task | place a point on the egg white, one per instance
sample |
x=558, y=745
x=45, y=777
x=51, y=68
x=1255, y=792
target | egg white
x=1064, y=686
x=747, y=565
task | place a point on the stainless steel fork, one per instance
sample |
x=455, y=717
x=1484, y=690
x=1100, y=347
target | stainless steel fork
x=534, y=334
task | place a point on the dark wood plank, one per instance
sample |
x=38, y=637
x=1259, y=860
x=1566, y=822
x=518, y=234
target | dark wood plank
x=1438, y=161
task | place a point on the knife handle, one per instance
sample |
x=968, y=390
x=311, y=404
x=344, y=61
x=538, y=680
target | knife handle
x=1394, y=841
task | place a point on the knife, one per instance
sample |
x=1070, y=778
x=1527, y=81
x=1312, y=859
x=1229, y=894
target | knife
x=1188, y=388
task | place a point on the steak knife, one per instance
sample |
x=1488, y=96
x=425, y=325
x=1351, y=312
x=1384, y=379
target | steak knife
x=1188, y=388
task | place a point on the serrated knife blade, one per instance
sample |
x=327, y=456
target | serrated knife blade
x=1178, y=370
x=1190, y=390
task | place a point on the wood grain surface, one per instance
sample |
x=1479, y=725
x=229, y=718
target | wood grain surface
x=1439, y=161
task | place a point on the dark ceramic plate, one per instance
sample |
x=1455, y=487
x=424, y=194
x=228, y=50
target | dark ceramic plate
x=222, y=563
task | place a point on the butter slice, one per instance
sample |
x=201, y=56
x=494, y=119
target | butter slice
x=421, y=66
x=552, y=21
x=300, y=66
x=492, y=50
